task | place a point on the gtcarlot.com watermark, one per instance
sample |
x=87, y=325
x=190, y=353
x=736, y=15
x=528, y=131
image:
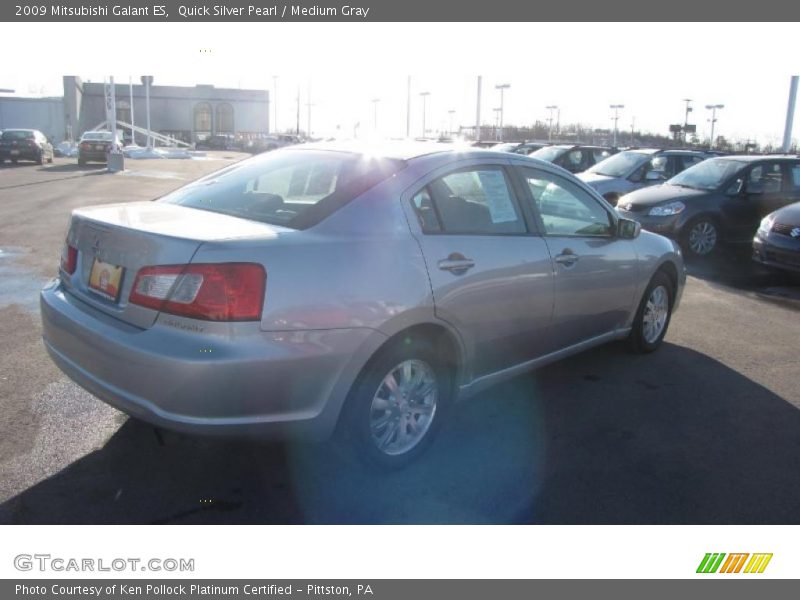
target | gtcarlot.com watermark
x=58, y=564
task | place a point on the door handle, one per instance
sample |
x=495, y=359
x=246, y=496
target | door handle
x=456, y=263
x=567, y=258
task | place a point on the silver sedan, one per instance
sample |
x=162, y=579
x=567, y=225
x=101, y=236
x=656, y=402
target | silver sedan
x=346, y=288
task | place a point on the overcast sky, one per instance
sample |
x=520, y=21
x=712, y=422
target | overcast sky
x=581, y=67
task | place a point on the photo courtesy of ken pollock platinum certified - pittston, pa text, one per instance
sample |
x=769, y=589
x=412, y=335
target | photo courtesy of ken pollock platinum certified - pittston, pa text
x=193, y=589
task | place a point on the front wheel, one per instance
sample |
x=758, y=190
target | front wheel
x=652, y=318
x=398, y=404
x=701, y=237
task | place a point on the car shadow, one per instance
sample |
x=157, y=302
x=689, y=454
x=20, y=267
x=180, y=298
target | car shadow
x=74, y=167
x=732, y=266
x=603, y=437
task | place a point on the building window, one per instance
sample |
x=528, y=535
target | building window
x=202, y=119
x=224, y=118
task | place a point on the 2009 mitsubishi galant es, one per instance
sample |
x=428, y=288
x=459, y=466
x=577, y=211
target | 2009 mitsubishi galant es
x=350, y=288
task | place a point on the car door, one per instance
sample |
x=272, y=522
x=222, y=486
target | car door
x=594, y=270
x=767, y=187
x=490, y=275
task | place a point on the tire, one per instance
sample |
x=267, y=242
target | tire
x=40, y=159
x=653, y=316
x=81, y=162
x=390, y=431
x=701, y=237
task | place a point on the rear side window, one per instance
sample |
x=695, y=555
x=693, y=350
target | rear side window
x=293, y=188
x=795, y=175
x=765, y=178
x=473, y=201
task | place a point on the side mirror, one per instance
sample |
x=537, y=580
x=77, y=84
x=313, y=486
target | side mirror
x=653, y=176
x=628, y=229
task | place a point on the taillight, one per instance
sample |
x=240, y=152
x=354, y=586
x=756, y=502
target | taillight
x=212, y=292
x=85, y=145
x=69, y=259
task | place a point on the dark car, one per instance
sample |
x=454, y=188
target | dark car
x=524, y=148
x=719, y=200
x=94, y=146
x=25, y=144
x=217, y=142
x=777, y=241
x=574, y=158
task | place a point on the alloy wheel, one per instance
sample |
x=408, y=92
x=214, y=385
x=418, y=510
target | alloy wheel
x=656, y=312
x=702, y=238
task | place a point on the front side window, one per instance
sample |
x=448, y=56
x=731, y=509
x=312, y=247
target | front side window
x=564, y=208
x=294, y=188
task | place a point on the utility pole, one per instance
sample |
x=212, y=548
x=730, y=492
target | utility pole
x=787, y=130
x=275, y=102
x=298, y=110
x=616, y=108
x=308, y=106
x=551, y=108
x=478, y=113
x=147, y=80
x=424, y=99
x=502, y=87
x=633, y=124
x=408, y=108
x=451, y=112
x=713, y=108
x=133, y=123
x=375, y=113
x=686, y=117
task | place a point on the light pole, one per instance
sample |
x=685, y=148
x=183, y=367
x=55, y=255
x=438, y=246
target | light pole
x=616, y=108
x=275, y=102
x=451, y=112
x=375, y=113
x=713, y=108
x=147, y=80
x=551, y=108
x=497, y=112
x=424, y=102
x=502, y=87
x=686, y=117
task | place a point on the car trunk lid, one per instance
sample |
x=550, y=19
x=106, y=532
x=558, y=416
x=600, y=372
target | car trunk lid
x=115, y=241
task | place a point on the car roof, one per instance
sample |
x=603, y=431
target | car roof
x=757, y=157
x=31, y=130
x=400, y=150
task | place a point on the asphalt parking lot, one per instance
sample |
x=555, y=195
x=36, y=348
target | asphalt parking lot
x=706, y=430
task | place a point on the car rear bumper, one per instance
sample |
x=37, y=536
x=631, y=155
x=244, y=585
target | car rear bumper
x=265, y=384
x=99, y=156
x=28, y=154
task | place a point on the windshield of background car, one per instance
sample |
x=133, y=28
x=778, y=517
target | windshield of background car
x=707, y=175
x=509, y=147
x=619, y=165
x=292, y=188
x=18, y=135
x=549, y=153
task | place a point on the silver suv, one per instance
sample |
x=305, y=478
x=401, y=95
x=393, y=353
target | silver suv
x=369, y=287
x=634, y=169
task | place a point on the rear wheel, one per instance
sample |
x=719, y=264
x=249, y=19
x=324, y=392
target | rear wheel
x=398, y=404
x=652, y=318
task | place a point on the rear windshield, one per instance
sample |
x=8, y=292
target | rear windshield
x=292, y=188
x=97, y=136
x=17, y=135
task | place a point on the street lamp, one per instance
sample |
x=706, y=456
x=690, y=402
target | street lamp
x=551, y=108
x=502, y=87
x=616, y=108
x=424, y=99
x=375, y=113
x=451, y=112
x=713, y=108
x=497, y=112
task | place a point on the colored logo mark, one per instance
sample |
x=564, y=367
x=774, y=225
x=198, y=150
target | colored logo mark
x=717, y=562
